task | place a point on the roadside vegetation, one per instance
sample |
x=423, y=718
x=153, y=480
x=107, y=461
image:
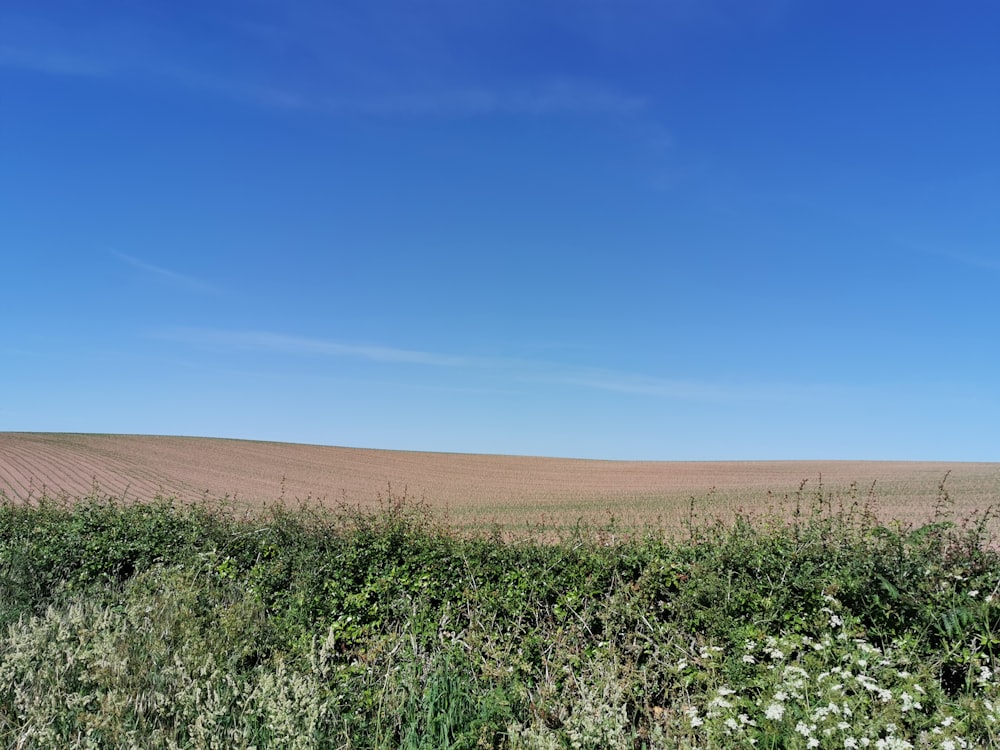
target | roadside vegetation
x=168, y=625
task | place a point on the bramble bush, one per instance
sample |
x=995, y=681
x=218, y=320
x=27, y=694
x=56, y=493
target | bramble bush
x=164, y=625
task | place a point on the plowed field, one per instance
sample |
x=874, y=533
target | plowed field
x=473, y=490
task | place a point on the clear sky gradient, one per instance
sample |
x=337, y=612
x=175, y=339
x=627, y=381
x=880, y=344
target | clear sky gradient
x=623, y=229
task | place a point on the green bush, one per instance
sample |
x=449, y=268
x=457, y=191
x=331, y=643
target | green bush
x=162, y=625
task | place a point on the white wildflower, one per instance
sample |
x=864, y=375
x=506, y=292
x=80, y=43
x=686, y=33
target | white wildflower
x=692, y=714
x=908, y=703
x=892, y=743
x=775, y=711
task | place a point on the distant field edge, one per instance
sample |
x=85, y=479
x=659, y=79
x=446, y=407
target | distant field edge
x=475, y=489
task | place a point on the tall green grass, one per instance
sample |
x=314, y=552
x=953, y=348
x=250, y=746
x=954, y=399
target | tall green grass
x=162, y=625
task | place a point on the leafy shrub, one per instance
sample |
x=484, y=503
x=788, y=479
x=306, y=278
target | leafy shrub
x=162, y=625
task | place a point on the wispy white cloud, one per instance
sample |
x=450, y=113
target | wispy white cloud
x=685, y=390
x=276, y=342
x=529, y=99
x=390, y=85
x=172, y=277
x=50, y=62
x=546, y=99
x=642, y=385
x=973, y=261
x=502, y=368
x=953, y=255
x=563, y=97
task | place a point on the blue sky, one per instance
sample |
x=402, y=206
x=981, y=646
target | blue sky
x=682, y=229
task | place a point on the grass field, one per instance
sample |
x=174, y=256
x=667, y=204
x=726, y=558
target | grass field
x=473, y=491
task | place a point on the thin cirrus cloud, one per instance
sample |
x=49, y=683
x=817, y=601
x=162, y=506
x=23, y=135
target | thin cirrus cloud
x=530, y=99
x=576, y=98
x=173, y=278
x=252, y=70
x=686, y=390
x=264, y=341
x=50, y=62
x=508, y=368
x=561, y=96
x=959, y=257
x=969, y=260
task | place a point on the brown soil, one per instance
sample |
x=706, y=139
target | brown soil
x=476, y=490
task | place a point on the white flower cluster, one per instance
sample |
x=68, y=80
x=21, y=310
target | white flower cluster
x=834, y=692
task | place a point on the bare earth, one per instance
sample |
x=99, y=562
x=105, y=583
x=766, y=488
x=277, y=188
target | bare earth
x=472, y=491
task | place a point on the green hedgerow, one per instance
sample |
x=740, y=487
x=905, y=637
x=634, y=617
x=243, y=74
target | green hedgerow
x=169, y=626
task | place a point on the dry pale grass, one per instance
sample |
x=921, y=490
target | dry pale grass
x=474, y=491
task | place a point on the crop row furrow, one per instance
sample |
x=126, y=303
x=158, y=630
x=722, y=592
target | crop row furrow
x=23, y=474
x=60, y=469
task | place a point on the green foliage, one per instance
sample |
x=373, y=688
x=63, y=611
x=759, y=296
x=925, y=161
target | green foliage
x=161, y=625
